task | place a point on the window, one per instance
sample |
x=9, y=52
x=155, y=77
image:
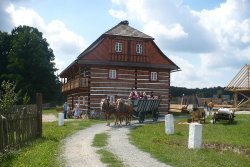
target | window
x=139, y=48
x=111, y=98
x=112, y=74
x=153, y=76
x=118, y=47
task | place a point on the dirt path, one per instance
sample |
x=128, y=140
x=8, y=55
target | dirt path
x=77, y=150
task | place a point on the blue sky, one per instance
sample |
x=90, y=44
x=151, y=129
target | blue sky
x=208, y=39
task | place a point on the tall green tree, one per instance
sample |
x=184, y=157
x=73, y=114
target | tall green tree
x=30, y=63
x=4, y=51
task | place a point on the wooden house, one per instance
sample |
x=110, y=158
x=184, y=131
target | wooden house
x=120, y=59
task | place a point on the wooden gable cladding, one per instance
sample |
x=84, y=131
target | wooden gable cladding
x=105, y=52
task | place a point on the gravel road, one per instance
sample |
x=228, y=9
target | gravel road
x=77, y=150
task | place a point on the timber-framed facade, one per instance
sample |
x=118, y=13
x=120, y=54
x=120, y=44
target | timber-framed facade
x=120, y=59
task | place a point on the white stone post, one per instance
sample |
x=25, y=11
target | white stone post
x=195, y=136
x=169, y=124
x=60, y=119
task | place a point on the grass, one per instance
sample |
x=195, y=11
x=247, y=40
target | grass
x=51, y=111
x=44, y=151
x=107, y=157
x=100, y=140
x=172, y=149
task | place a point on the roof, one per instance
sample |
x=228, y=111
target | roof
x=123, y=29
x=241, y=81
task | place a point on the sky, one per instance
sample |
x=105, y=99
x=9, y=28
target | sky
x=208, y=39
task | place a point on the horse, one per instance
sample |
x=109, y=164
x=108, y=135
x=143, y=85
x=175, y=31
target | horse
x=108, y=109
x=124, y=108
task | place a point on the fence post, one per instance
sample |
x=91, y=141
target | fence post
x=3, y=131
x=39, y=102
x=2, y=134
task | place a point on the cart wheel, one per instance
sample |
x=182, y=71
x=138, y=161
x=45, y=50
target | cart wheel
x=141, y=117
x=214, y=118
x=230, y=118
x=155, y=117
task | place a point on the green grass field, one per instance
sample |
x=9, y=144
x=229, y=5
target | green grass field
x=224, y=144
x=44, y=151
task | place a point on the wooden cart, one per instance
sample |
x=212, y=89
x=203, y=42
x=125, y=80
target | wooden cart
x=141, y=108
x=223, y=114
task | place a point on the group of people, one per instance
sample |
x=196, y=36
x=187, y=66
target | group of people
x=134, y=95
x=75, y=112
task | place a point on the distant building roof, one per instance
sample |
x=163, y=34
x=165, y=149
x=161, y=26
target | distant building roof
x=123, y=29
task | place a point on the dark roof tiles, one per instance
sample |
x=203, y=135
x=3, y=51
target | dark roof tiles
x=123, y=29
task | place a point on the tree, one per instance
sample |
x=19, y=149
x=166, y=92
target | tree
x=30, y=63
x=4, y=51
x=8, y=97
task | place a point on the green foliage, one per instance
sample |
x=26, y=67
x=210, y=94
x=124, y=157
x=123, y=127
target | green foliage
x=172, y=149
x=204, y=92
x=26, y=99
x=9, y=96
x=28, y=61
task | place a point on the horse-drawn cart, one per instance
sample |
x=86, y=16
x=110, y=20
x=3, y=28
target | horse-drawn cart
x=143, y=107
x=223, y=114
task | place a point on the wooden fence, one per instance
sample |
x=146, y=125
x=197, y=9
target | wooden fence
x=20, y=124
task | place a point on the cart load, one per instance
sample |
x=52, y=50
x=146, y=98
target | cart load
x=223, y=114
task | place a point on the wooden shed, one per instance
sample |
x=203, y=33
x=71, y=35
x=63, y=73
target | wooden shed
x=120, y=59
x=240, y=86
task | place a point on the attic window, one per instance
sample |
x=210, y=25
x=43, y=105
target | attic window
x=118, y=47
x=139, y=48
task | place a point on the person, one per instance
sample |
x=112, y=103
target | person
x=144, y=97
x=140, y=95
x=65, y=110
x=151, y=95
x=210, y=107
x=136, y=96
x=132, y=94
x=205, y=105
x=77, y=111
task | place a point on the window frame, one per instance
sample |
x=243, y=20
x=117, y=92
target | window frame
x=118, y=47
x=138, y=48
x=112, y=75
x=153, y=76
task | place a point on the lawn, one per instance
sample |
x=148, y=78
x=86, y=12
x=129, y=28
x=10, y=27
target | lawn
x=44, y=151
x=223, y=144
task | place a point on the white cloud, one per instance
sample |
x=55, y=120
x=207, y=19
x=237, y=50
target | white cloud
x=65, y=43
x=218, y=38
x=121, y=15
x=189, y=75
x=157, y=29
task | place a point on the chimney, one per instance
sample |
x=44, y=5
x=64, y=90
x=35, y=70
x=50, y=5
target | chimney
x=125, y=22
